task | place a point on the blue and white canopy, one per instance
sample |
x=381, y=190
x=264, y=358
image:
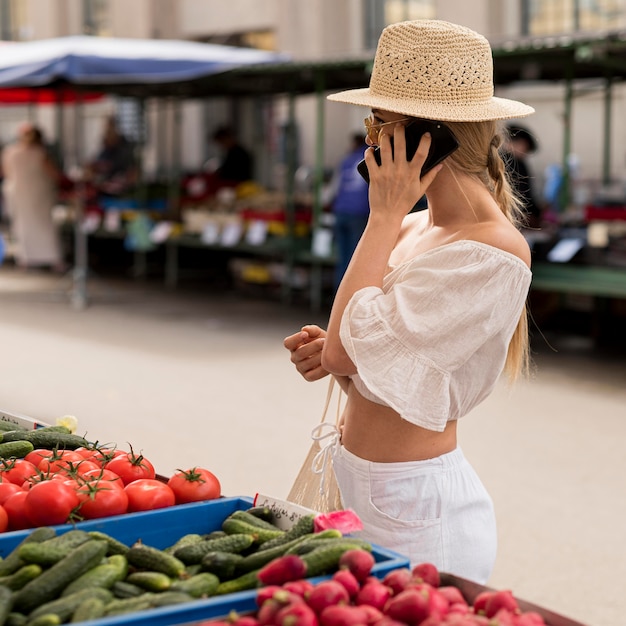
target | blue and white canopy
x=139, y=66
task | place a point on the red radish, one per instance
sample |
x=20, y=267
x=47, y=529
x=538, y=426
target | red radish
x=343, y=615
x=461, y=608
x=385, y=620
x=299, y=587
x=347, y=579
x=503, y=618
x=372, y=613
x=452, y=594
x=327, y=593
x=265, y=593
x=266, y=615
x=433, y=620
x=398, y=579
x=439, y=604
x=480, y=601
x=410, y=606
x=298, y=614
x=373, y=593
x=501, y=600
x=245, y=620
x=428, y=573
x=282, y=570
x=359, y=562
x=529, y=618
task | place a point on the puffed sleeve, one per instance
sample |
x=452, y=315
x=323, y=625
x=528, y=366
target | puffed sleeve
x=411, y=340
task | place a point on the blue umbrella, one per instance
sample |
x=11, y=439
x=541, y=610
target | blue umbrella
x=114, y=63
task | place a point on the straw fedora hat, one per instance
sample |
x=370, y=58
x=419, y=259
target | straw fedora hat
x=435, y=70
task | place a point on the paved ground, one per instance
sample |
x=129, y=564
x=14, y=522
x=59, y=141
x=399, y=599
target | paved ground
x=203, y=379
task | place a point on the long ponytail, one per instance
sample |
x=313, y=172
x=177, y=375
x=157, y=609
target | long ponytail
x=479, y=155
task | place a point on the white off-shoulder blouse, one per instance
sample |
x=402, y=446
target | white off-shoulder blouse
x=432, y=343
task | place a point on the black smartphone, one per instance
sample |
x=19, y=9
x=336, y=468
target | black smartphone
x=443, y=144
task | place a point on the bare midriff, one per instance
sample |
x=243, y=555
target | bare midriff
x=377, y=433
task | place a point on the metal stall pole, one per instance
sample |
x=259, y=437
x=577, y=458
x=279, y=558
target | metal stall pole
x=606, y=154
x=78, y=296
x=565, y=192
x=290, y=157
x=316, y=264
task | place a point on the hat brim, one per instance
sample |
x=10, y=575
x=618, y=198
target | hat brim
x=492, y=109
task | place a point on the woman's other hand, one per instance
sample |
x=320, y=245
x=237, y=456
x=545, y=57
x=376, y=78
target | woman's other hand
x=306, y=351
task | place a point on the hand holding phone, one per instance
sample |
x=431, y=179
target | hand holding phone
x=443, y=144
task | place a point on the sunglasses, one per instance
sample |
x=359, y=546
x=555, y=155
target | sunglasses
x=373, y=130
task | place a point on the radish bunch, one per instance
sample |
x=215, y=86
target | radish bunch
x=404, y=597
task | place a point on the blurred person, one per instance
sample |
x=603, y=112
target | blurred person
x=113, y=172
x=236, y=162
x=518, y=146
x=432, y=308
x=29, y=189
x=350, y=205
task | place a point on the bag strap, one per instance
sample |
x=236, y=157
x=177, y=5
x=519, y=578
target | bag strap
x=329, y=395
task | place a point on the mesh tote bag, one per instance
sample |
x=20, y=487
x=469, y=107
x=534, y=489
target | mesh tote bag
x=315, y=486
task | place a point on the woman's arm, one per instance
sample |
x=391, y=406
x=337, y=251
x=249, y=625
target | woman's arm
x=393, y=189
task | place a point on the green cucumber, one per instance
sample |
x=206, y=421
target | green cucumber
x=51, y=439
x=253, y=520
x=48, y=619
x=258, y=559
x=9, y=426
x=325, y=559
x=127, y=605
x=234, y=526
x=104, y=575
x=50, y=583
x=16, y=619
x=64, y=607
x=167, y=598
x=147, y=557
x=6, y=603
x=304, y=526
x=201, y=585
x=185, y=540
x=193, y=554
x=15, y=449
x=53, y=550
x=91, y=608
x=13, y=561
x=150, y=581
x=124, y=589
x=263, y=512
x=222, y=564
x=316, y=543
x=23, y=575
x=244, y=582
x=115, y=546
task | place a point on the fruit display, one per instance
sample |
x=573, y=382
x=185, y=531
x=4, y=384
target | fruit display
x=51, y=475
x=403, y=597
x=54, y=578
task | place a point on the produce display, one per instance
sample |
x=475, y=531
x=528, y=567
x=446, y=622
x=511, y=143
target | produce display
x=52, y=476
x=352, y=597
x=51, y=578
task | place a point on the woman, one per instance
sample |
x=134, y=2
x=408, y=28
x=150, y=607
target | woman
x=30, y=193
x=432, y=306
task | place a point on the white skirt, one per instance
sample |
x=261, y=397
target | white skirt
x=435, y=511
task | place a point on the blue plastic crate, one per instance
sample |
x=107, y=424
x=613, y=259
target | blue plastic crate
x=162, y=528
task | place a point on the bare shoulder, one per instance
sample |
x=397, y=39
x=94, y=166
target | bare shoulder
x=503, y=236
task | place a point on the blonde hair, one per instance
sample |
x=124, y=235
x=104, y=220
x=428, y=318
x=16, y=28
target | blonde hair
x=479, y=156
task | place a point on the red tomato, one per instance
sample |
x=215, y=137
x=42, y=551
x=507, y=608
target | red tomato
x=62, y=461
x=8, y=489
x=4, y=519
x=103, y=475
x=101, y=499
x=15, y=507
x=37, y=455
x=50, y=502
x=18, y=470
x=130, y=467
x=146, y=494
x=194, y=485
